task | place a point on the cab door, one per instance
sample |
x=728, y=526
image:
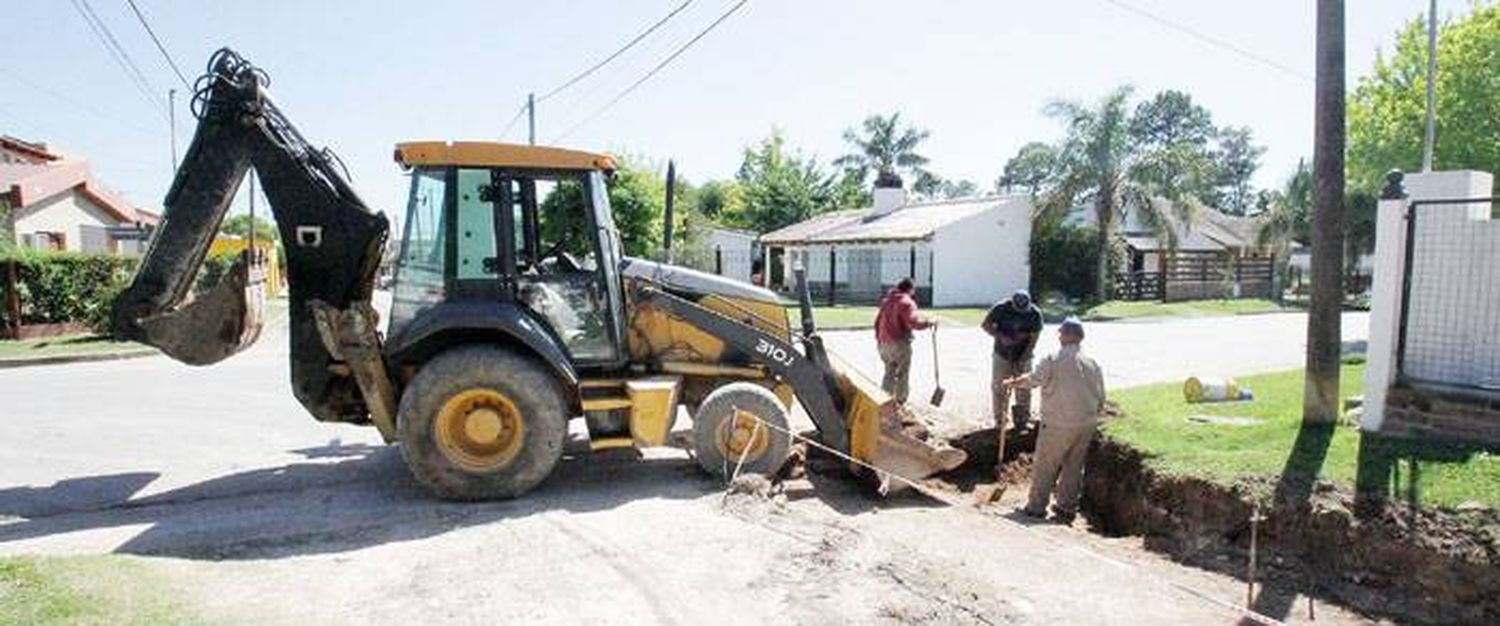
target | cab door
x=559, y=263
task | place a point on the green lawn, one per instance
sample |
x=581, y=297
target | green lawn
x=69, y=345
x=1117, y=309
x=1156, y=422
x=84, y=590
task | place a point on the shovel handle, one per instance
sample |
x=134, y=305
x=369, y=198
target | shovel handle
x=936, y=377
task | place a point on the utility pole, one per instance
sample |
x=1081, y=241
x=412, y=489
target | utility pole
x=1431, y=136
x=172, y=123
x=1320, y=404
x=531, y=117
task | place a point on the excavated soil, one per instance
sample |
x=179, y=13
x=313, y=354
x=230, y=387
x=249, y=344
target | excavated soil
x=1416, y=566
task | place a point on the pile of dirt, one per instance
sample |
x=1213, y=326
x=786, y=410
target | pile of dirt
x=1416, y=565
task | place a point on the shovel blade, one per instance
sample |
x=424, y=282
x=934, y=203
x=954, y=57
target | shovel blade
x=937, y=396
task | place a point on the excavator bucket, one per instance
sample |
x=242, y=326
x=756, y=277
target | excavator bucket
x=878, y=438
x=216, y=324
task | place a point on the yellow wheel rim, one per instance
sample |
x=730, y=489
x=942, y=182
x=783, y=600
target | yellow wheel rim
x=479, y=430
x=738, y=436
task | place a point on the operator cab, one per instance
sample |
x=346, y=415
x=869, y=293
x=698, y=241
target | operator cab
x=494, y=227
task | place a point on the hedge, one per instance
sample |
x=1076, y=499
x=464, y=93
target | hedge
x=1064, y=260
x=60, y=287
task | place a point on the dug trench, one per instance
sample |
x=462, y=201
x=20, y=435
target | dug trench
x=1412, y=566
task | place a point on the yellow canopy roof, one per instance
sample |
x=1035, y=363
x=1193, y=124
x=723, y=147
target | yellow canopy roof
x=496, y=154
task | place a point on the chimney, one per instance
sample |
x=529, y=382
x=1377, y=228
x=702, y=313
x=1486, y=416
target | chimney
x=888, y=195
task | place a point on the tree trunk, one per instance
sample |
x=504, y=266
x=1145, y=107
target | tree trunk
x=1101, y=285
x=1321, y=390
x=1105, y=218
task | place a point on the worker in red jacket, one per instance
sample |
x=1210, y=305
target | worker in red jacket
x=894, y=326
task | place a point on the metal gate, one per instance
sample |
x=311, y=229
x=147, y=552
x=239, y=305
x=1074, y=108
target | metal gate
x=1450, y=284
x=864, y=273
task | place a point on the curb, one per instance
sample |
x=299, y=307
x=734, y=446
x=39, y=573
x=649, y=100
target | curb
x=76, y=358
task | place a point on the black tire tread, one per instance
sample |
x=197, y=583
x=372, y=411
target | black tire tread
x=719, y=405
x=537, y=393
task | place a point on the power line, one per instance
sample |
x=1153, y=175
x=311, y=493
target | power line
x=80, y=105
x=159, y=46
x=1211, y=40
x=628, y=45
x=117, y=52
x=654, y=70
x=122, y=56
x=512, y=123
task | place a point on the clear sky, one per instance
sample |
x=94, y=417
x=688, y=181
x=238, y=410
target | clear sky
x=359, y=76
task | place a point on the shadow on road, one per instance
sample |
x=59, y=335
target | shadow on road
x=362, y=497
x=348, y=497
x=73, y=494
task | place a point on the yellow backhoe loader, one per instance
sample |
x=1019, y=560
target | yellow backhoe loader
x=514, y=311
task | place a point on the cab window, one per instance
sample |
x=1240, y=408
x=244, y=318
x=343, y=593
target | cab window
x=419, y=274
x=475, y=236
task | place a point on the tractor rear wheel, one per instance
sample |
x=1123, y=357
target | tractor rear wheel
x=482, y=422
x=741, y=421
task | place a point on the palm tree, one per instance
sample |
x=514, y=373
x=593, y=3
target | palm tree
x=1286, y=218
x=1101, y=163
x=884, y=147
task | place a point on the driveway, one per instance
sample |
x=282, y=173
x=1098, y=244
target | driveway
x=260, y=514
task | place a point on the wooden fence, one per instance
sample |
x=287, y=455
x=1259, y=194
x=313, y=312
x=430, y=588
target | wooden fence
x=1200, y=275
x=9, y=281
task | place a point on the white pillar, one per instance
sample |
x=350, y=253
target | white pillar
x=1390, y=260
x=1385, y=302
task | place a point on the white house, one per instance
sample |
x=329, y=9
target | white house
x=52, y=202
x=966, y=251
x=728, y=252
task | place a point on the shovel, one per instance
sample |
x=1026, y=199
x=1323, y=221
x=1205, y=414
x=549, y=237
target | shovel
x=937, y=380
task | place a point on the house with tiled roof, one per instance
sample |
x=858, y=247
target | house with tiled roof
x=1211, y=254
x=964, y=251
x=52, y=201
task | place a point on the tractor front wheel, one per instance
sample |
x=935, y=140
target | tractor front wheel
x=741, y=424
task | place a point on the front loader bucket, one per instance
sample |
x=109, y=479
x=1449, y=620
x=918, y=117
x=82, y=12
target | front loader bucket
x=876, y=436
x=214, y=325
x=905, y=457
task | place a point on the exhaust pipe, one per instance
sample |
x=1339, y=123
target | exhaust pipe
x=666, y=233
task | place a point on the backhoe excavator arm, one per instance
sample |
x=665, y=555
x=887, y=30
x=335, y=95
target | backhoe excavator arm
x=333, y=245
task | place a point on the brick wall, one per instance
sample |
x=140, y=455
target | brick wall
x=1434, y=415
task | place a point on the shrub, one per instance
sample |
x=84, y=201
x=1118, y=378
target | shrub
x=1064, y=260
x=215, y=266
x=60, y=287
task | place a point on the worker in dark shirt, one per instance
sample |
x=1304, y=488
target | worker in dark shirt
x=1015, y=323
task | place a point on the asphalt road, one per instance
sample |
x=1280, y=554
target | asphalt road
x=261, y=514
